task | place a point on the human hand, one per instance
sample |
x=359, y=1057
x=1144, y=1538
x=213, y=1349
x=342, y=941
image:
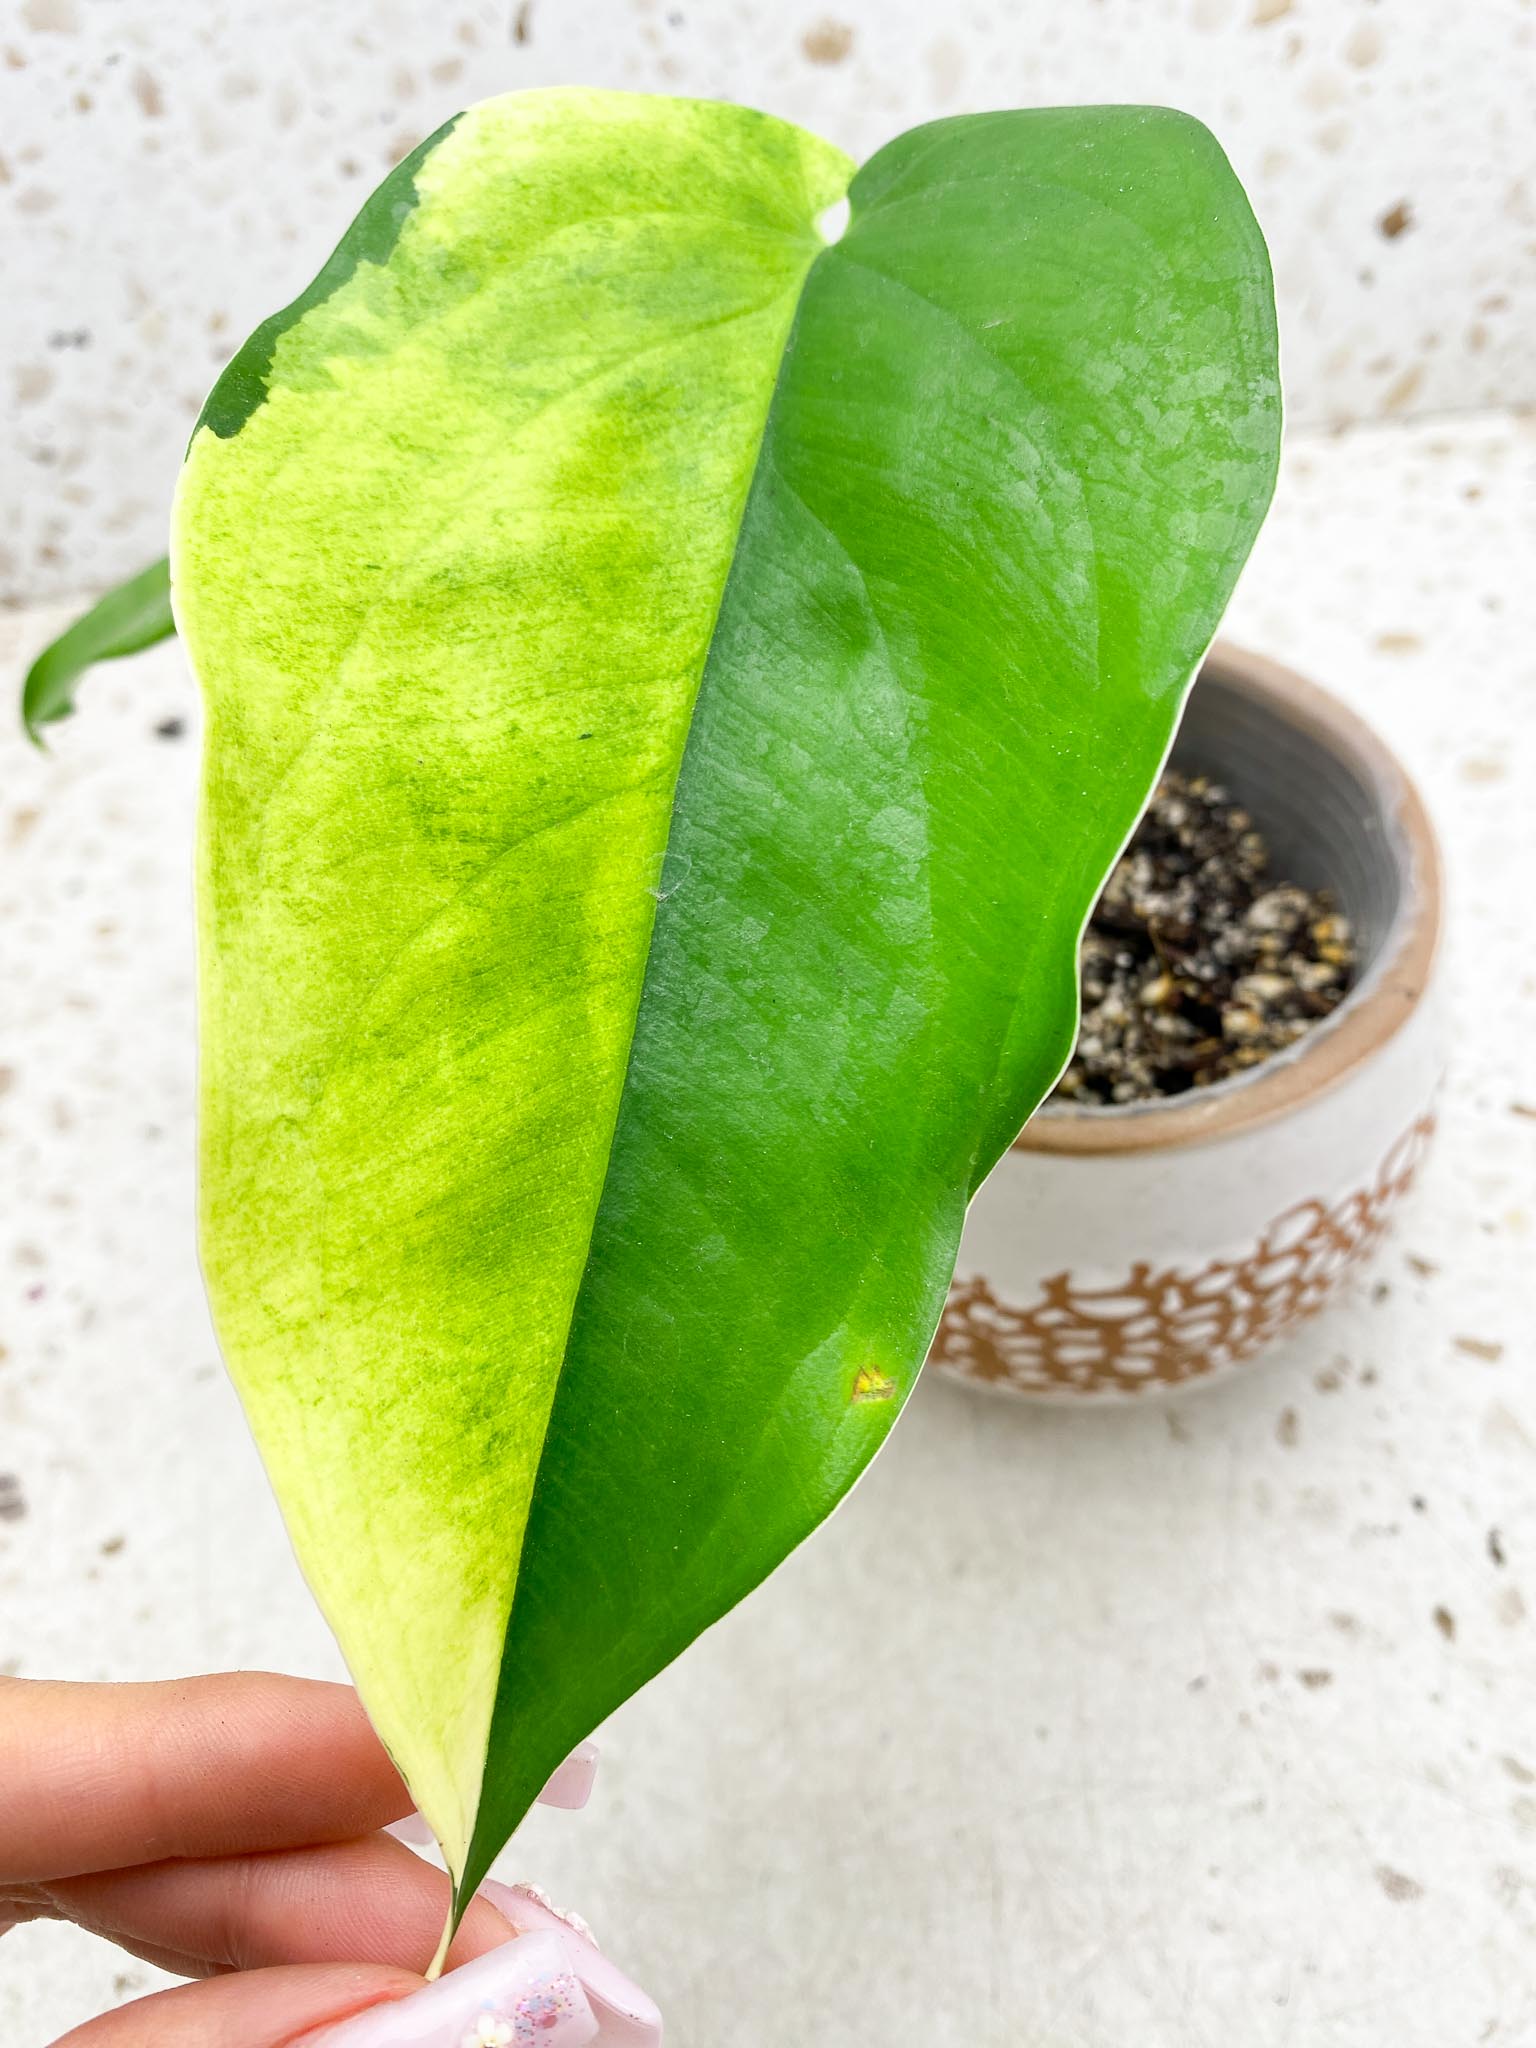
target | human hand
x=230, y=1829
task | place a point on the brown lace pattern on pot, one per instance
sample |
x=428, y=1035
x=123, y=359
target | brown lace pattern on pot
x=1159, y=1328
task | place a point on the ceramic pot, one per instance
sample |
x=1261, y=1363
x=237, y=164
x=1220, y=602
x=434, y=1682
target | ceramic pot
x=1123, y=1251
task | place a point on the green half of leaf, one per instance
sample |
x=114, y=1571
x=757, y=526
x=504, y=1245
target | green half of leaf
x=134, y=615
x=674, y=691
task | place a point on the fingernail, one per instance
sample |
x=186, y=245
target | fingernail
x=571, y=1785
x=570, y=1788
x=413, y=1831
x=627, y=2016
x=548, y=1914
x=521, y=1994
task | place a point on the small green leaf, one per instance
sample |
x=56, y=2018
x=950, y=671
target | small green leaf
x=135, y=615
x=674, y=691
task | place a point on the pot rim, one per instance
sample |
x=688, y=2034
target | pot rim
x=1373, y=1011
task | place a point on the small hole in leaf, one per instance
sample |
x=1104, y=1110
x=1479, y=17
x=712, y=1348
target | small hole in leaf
x=833, y=222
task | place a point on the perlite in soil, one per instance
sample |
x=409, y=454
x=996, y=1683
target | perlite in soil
x=1197, y=963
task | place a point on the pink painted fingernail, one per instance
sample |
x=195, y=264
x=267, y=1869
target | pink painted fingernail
x=570, y=1788
x=627, y=2017
x=571, y=1785
x=522, y=1995
x=413, y=1831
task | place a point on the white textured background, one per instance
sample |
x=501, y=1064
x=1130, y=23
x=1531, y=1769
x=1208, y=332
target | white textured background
x=171, y=171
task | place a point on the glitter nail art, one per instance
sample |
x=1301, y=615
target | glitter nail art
x=540, y=1897
x=540, y=2009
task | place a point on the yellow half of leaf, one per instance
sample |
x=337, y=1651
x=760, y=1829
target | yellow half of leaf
x=492, y=468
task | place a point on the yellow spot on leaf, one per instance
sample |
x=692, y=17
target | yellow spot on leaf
x=870, y=1385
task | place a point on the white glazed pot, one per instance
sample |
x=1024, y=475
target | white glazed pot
x=1121, y=1251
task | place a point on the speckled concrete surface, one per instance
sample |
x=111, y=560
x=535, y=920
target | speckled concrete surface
x=173, y=170
x=1213, y=1724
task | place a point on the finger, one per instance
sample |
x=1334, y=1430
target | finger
x=369, y=1901
x=171, y=1961
x=98, y=1776
x=268, y=2009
